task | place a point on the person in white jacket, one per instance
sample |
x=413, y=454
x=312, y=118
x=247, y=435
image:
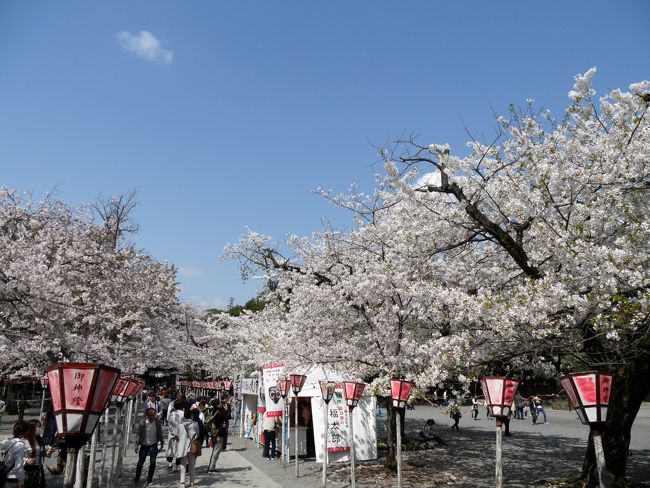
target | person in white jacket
x=16, y=455
x=182, y=431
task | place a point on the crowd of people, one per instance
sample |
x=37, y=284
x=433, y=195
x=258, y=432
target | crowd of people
x=191, y=424
x=172, y=422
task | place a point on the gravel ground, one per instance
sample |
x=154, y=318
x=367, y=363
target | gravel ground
x=532, y=454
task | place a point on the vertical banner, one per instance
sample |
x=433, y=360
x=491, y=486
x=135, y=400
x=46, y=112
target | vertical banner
x=271, y=373
x=338, y=423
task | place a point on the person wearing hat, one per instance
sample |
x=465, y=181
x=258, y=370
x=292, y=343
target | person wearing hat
x=153, y=402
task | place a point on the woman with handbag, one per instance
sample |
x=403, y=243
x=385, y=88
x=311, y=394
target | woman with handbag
x=34, y=473
x=187, y=432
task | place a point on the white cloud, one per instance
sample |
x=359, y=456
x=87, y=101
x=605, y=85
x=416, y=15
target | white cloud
x=205, y=303
x=146, y=46
x=432, y=178
x=190, y=271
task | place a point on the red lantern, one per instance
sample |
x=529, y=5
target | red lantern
x=327, y=390
x=284, y=386
x=134, y=387
x=352, y=392
x=118, y=395
x=589, y=394
x=400, y=391
x=499, y=392
x=80, y=393
x=297, y=382
x=44, y=382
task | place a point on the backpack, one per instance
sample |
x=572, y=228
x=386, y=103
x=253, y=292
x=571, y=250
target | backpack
x=4, y=469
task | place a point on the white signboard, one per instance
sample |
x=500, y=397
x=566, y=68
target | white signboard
x=249, y=386
x=274, y=402
x=338, y=423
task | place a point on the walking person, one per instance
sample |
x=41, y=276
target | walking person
x=16, y=455
x=539, y=408
x=34, y=473
x=217, y=425
x=456, y=415
x=174, y=421
x=153, y=402
x=149, y=438
x=193, y=426
x=269, y=425
x=224, y=435
x=519, y=406
x=474, y=408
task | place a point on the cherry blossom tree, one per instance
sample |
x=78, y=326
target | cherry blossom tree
x=531, y=247
x=68, y=291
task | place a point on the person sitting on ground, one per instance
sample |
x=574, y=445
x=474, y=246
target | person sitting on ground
x=429, y=433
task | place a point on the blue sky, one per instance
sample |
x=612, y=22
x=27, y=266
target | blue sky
x=243, y=108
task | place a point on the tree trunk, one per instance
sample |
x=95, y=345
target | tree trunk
x=630, y=387
x=390, y=463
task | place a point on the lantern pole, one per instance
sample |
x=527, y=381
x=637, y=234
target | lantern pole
x=498, y=474
x=600, y=458
x=91, y=462
x=70, y=463
x=44, y=385
x=295, y=431
x=327, y=390
x=104, y=450
x=325, y=453
x=398, y=425
x=499, y=392
x=353, y=481
x=81, y=468
x=116, y=435
x=127, y=426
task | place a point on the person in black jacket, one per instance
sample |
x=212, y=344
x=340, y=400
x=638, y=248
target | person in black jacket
x=218, y=423
x=149, y=437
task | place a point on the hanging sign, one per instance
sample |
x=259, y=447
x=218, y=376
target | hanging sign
x=274, y=402
x=338, y=422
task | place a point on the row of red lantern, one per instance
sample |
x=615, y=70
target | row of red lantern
x=352, y=391
x=207, y=385
x=81, y=392
x=588, y=393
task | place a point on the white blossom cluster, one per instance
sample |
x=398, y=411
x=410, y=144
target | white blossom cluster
x=534, y=245
x=67, y=293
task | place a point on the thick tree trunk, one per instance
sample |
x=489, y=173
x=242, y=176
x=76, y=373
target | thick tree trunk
x=390, y=463
x=630, y=387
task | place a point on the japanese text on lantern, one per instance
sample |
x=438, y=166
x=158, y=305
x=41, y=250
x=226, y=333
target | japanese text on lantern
x=77, y=385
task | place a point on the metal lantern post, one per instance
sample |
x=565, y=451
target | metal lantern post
x=589, y=394
x=327, y=390
x=352, y=392
x=499, y=393
x=284, y=385
x=297, y=382
x=80, y=393
x=44, y=383
x=134, y=386
x=400, y=390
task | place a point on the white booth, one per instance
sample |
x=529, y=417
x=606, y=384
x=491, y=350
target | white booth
x=338, y=441
x=248, y=390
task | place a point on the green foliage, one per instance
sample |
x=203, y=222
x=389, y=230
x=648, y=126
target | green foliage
x=252, y=305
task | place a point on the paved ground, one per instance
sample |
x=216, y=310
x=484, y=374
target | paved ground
x=533, y=453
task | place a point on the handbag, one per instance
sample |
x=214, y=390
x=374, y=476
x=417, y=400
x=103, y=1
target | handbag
x=169, y=452
x=195, y=448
